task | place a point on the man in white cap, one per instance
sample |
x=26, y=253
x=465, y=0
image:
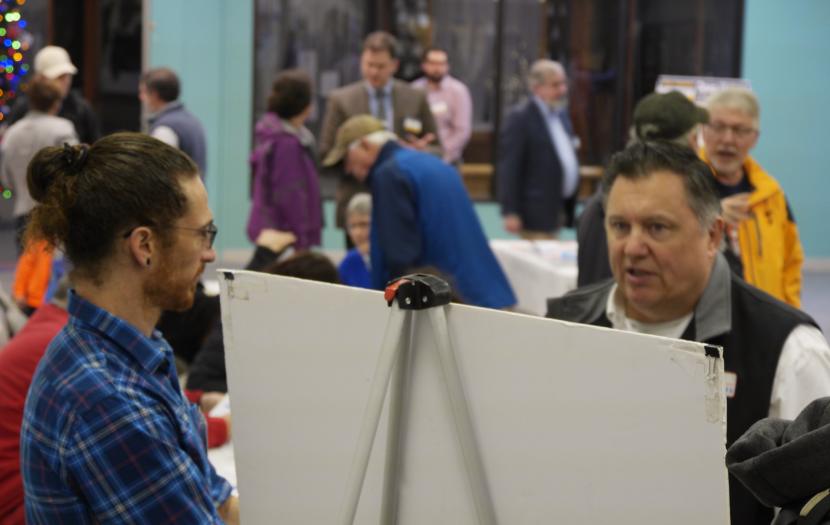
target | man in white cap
x=53, y=62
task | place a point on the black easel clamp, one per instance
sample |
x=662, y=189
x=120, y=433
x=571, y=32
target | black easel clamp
x=417, y=291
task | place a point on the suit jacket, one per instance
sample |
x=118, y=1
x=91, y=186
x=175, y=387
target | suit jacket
x=529, y=173
x=353, y=99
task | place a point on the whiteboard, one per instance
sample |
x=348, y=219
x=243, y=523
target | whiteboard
x=575, y=424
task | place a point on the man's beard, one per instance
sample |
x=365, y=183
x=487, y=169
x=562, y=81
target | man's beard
x=435, y=79
x=165, y=290
x=558, y=105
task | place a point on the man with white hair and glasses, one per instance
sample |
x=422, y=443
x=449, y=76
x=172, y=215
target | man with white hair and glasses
x=761, y=236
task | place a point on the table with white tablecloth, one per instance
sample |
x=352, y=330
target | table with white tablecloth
x=537, y=270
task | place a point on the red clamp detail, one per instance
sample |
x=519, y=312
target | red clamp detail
x=392, y=290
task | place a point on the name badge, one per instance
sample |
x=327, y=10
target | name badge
x=439, y=108
x=412, y=125
x=730, y=384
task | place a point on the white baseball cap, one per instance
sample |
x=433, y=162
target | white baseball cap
x=53, y=61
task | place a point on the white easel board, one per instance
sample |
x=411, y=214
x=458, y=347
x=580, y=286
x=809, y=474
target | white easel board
x=575, y=424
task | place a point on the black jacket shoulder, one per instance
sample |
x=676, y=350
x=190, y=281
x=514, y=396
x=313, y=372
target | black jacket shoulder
x=583, y=305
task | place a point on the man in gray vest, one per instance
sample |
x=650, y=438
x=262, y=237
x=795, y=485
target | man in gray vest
x=664, y=227
x=169, y=121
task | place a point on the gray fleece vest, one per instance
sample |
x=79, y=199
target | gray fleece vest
x=189, y=130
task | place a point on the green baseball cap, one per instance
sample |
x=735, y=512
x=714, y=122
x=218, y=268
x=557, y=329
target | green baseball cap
x=667, y=116
x=353, y=129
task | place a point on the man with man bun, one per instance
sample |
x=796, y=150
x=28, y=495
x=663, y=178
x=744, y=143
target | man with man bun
x=107, y=436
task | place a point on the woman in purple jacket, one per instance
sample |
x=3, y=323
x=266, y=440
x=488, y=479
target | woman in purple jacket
x=286, y=189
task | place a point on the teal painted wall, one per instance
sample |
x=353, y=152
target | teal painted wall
x=786, y=44
x=785, y=54
x=209, y=43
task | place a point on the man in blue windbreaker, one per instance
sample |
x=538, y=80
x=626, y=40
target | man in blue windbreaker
x=421, y=214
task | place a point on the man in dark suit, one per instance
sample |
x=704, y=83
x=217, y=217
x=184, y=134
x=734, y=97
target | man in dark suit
x=538, y=172
x=404, y=109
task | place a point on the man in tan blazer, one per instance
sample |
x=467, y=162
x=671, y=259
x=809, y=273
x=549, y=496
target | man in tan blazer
x=404, y=109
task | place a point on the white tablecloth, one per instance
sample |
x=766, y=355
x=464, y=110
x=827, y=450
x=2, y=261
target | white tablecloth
x=537, y=270
x=222, y=457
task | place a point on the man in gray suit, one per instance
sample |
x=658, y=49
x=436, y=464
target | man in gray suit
x=404, y=109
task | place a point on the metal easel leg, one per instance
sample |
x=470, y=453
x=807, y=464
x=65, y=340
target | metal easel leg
x=463, y=422
x=413, y=292
x=392, y=340
x=394, y=435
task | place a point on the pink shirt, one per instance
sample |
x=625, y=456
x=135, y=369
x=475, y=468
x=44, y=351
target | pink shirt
x=452, y=108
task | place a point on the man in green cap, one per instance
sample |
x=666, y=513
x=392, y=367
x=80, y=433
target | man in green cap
x=659, y=116
x=421, y=214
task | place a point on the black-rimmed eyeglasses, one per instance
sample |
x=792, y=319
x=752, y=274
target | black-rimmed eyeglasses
x=208, y=232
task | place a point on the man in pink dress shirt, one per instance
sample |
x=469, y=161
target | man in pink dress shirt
x=450, y=102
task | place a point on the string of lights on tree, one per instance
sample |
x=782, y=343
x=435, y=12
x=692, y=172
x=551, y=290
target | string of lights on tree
x=13, y=66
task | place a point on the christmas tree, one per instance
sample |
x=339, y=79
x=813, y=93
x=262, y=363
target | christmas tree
x=13, y=66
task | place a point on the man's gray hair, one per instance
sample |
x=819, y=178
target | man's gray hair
x=542, y=70
x=361, y=204
x=641, y=159
x=737, y=98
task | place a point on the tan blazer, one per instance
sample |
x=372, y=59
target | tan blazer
x=353, y=99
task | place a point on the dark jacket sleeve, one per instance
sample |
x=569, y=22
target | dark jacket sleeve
x=78, y=110
x=332, y=119
x=592, y=245
x=208, y=372
x=262, y=258
x=425, y=115
x=18, y=111
x=91, y=129
x=783, y=463
x=510, y=168
x=186, y=331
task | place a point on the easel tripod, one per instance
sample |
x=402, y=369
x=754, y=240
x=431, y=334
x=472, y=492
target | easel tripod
x=410, y=296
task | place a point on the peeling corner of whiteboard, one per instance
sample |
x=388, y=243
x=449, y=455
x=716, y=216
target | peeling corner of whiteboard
x=234, y=290
x=715, y=400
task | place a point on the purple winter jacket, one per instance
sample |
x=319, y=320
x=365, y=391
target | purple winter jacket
x=286, y=189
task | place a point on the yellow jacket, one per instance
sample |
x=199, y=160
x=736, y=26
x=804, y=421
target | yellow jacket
x=771, y=252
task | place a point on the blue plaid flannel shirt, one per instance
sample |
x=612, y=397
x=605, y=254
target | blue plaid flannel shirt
x=107, y=436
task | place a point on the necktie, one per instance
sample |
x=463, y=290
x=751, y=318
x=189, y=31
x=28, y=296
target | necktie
x=380, y=97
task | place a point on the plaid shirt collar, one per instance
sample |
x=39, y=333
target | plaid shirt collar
x=151, y=353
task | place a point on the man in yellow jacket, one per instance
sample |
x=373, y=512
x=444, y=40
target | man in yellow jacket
x=761, y=234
